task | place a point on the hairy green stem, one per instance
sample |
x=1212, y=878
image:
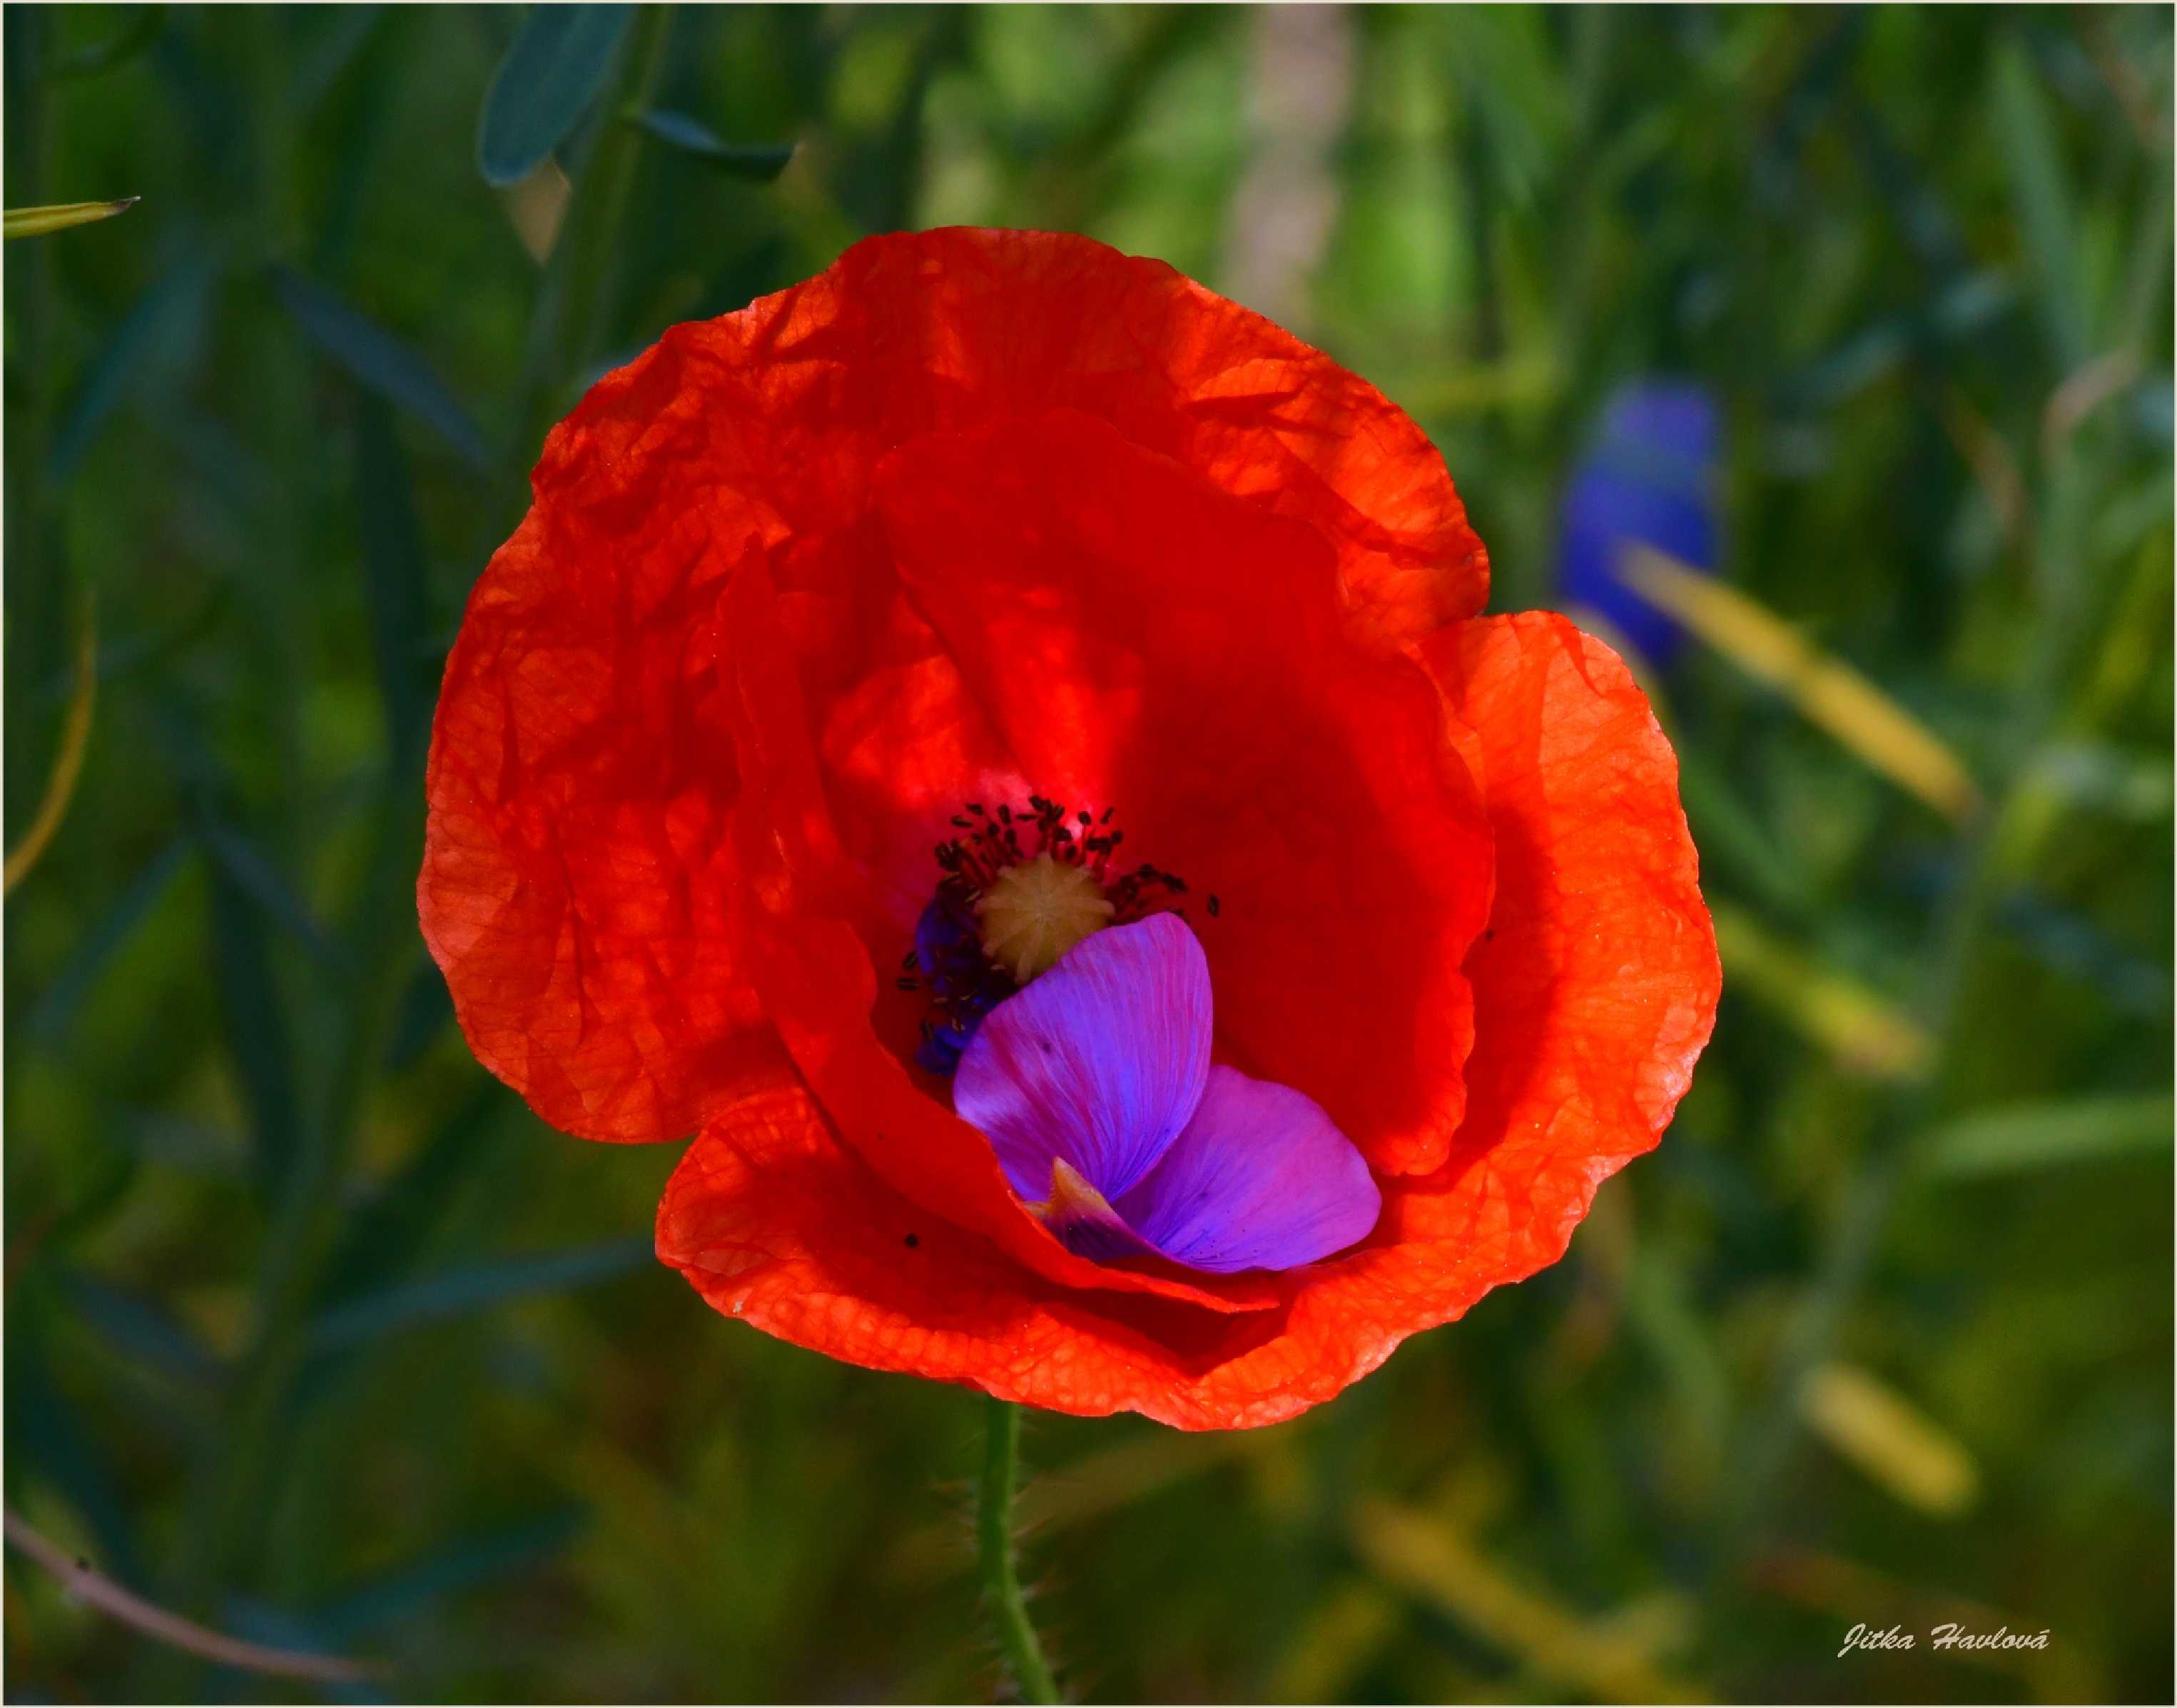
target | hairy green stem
x=994, y=1551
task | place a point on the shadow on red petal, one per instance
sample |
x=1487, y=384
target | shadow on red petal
x=1140, y=639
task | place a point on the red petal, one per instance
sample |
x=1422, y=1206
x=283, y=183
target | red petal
x=932, y=331
x=1596, y=982
x=1597, y=988
x=775, y=1222
x=1143, y=640
x=577, y=870
x=813, y=916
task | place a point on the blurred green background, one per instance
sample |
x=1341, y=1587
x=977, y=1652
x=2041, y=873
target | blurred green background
x=313, y=1333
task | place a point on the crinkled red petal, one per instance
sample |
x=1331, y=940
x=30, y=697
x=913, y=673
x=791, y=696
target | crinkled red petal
x=579, y=866
x=1596, y=986
x=806, y=930
x=579, y=870
x=1141, y=640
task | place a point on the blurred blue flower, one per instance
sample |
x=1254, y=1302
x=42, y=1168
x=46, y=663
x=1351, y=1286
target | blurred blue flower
x=1647, y=479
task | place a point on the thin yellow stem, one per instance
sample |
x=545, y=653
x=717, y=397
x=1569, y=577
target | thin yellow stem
x=68, y=763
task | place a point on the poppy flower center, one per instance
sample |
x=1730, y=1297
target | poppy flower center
x=1071, y=1005
x=1035, y=912
x=1019, y=888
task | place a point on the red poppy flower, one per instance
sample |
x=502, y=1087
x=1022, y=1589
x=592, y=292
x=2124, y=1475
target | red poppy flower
x=999, y=742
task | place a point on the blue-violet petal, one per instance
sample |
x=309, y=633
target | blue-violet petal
x=1099, y=1064
x=1261, y=1179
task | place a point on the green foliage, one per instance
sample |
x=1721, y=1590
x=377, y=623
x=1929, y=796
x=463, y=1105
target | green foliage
x=760, y=162
x=313, y=1333
x=550, y=75
x=378, y=361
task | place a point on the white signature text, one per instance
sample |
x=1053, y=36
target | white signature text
x=1946, y=1635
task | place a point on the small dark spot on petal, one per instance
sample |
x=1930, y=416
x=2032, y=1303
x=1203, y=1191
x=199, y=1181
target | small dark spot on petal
x=911, y=1241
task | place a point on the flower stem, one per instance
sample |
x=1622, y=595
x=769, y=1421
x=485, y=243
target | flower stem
x=994, y=1548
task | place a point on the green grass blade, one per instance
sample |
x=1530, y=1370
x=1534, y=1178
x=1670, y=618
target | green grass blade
x=758, y=162
x=388, y=1238
x=2033, y=1136
x=467, y=1561
x=127, y=44
x=257, y=1035
x=142, y=1329
x=394, y=571
x=48, y=1438
x=553, y=72
x=380, y=361
x=473, y=1287
x=79, y=973
x=252, y=870
x=426, y=1007
x=161, y=330
x=2048, y=219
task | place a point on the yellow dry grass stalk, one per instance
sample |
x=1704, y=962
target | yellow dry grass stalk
x=1829, y=693
x=34, y=222
x=1897, y=1444
x=1424, y=1558
x=1863, y=1031
x=68, y=762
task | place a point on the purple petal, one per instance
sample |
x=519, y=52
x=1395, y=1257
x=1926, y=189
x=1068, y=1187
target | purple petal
x=1261, y=1179
x=1098, y=1064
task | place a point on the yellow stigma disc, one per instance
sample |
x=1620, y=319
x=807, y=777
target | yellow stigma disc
x=1037, y=910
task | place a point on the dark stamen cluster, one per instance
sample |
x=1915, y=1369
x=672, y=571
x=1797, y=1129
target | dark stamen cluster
x=993, y=841
x=1136, y=895
x=947, y=959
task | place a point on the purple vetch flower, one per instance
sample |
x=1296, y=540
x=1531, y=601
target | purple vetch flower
x=1095, y=1088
